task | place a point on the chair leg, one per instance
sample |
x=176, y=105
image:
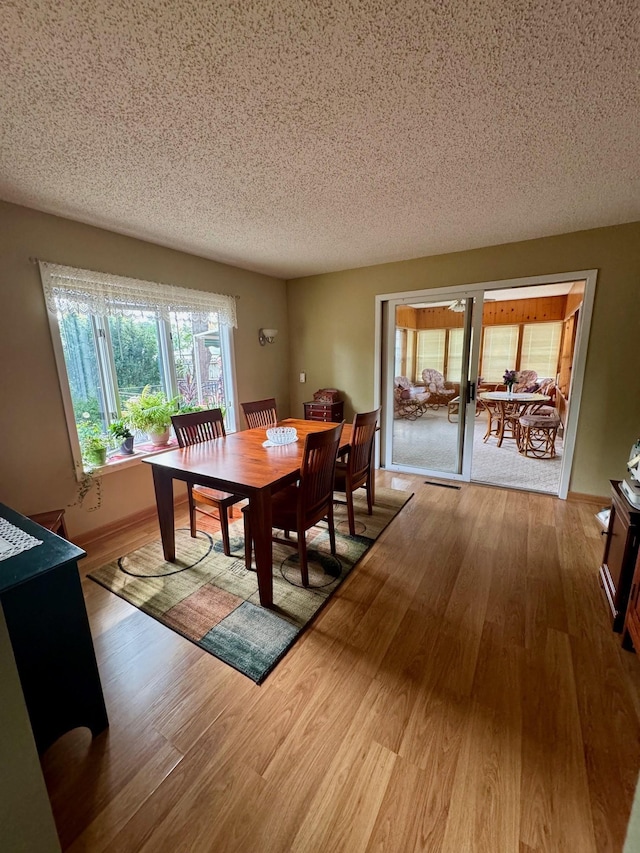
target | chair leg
x=369, y=495
x=192, y=512
x=332, y=530
x=224, y=528
x=350, y=513
x=302, y=552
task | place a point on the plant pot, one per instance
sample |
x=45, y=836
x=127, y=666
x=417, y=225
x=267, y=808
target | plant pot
x=127, y=446
x=159, y=438
x=97, y=457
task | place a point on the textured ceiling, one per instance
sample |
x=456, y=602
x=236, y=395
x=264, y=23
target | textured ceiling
x=293, y=137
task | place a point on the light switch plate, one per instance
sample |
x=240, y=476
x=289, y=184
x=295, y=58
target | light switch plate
x=303, y=377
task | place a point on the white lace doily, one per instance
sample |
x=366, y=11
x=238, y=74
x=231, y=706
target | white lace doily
x=14, y=541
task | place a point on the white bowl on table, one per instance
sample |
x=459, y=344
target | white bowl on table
x=282, y=435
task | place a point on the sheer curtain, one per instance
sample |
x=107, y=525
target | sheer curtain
x=85, y=292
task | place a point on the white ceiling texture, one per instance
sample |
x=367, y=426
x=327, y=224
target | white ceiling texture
x=295, y=137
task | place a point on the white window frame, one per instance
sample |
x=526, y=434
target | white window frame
x=107, y=369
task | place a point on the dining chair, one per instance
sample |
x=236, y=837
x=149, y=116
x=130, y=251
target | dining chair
x=261, y=413
x=194, y=428
x=301, y=505
x=357, y=471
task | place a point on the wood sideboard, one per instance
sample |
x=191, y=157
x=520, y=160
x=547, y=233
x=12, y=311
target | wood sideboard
x=620, y=555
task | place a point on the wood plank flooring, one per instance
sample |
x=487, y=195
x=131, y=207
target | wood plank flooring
x=463, y=691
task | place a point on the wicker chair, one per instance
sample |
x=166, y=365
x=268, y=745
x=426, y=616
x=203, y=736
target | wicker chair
x=537, y=435
x=527, y=379
x=440, y=392
x=409, y=401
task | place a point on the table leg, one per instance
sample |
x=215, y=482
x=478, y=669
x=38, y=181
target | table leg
x=163, y=485
x=501, y=424
x=489, y=423
x=260, y=519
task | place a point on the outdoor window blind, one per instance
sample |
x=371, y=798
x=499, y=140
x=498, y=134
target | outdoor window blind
x=430, y=350
x=499, y=351
x=541, y=348
x=454, y=356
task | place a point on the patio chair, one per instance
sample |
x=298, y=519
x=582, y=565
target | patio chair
x=409, y=401
x=537, y=435
x=441, y=392
x=527, y=381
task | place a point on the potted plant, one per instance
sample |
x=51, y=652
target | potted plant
x=95, y=449
x=151, y=412
x=120, y=431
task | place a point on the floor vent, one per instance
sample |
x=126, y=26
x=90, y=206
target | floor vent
x=443, y=485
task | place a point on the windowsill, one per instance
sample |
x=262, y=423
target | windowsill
x=119, y=461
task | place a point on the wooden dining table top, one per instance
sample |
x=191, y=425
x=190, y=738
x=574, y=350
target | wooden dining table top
x=241, y=460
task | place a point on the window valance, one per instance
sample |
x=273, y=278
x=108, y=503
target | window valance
x=87, y=292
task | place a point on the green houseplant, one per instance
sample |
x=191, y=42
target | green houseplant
x=94, y=449
x=93, y=443
x=150, y=412
x=120, y=431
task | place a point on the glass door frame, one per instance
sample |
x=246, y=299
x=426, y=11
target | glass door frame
x=383, y=357
x=468, y=380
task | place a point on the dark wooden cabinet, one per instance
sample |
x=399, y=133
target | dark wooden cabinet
x=631, y=635
x=620, y=555
x=43, y=604
x=324, y=411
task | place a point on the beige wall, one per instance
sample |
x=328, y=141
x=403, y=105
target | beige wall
x=326, y=326
x=36, y=470
x=332, y=331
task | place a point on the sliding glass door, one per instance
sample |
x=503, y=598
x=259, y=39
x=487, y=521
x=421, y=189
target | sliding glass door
x=430, y=392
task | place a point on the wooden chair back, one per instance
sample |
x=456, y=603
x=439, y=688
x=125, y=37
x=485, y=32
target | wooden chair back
x=261, y=413
x=195, y=427
x=360, y=453
x=317, y=474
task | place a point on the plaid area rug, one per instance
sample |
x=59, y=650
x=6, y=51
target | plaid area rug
x=213, y=599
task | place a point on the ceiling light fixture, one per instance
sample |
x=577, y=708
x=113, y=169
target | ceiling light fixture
x=458, y=305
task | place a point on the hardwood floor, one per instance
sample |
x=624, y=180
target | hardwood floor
x=463, y=691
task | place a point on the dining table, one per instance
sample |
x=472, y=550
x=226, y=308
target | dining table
x=509, y=407
x=242, y=463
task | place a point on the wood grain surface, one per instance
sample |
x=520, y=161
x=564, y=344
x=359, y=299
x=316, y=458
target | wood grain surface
x=462, y=692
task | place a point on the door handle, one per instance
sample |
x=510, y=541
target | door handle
x=471, y=387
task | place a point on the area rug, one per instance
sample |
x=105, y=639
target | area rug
x=213, y=600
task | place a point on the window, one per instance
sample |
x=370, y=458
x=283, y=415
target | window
x=430, y=350
x=411, y=349
x=499, y=351
x=400, y=359
x=531, y=346
x=114, y=336
x=541, y=348
x=454, y=355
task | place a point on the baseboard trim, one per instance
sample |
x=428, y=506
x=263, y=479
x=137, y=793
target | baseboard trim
x=122, y=525
x=591, y=499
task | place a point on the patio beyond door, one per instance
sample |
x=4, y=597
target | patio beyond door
x=443, y=352
x=431, y=396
